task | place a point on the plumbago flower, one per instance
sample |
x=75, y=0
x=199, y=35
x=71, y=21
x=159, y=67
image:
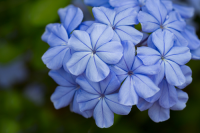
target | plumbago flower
x=67, y=91
x=93, y=52
x=57, y=36
x=102, y=99
x=168, y=98
x=133, y=73
x=157, y=17
x=170, y=57
x=121, y=23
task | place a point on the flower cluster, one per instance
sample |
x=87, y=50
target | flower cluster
x=108, y=65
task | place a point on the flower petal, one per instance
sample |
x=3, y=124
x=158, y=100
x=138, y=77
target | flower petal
x=173, y=74
x=168, y=96
x=148, y=22
x=100, y=35
x=159, y=77
x=85, y=25
x=158, y=113
x=126, y=17
x=157, y=9
x=103, y=116
x=87, y=101
x=95, y=3
x=110, y=52
x=67, y=57
x=179, y=55
x=143, y=104
x=80, y=41
x=96, y=69
x=70, y=17
x=148, y=55
x=115, y=106
x=129, y=33
x=188, y=76
x=78, y=62
x=104, y=15
x=144, y=86
x=88, y=86
x=63, y=96
x=127, y=93
x=121, y=74
x=53, y=57
x=182, y=99
x=185, y=11
x=110, y=84
x=55, y=35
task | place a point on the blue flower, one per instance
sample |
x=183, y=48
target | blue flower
x=162, y=50
x=134, y=75
x=102, y=99
x=57, y=35
x=157, y=17
x=67, y=91
x=174, y=97
x=93, y=52
x=121, y=23
x=97, y=3
x=196, y=54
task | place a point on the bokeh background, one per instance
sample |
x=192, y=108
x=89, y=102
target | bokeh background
x=25, y=87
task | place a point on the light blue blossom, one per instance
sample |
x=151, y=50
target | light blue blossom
x=93, y=52
x=67, y=91
x=57, y=35
x=186, y=12
x=121, y=23
x=157, y=17
x=134, y=75
x=102, y=99
x=162, y=50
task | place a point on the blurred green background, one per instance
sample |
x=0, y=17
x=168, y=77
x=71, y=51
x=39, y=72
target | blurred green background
x=25, y=87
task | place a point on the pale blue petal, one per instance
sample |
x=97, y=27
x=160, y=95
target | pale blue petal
x=111, y=52
x=196, y=54
x=80, y=41
x=188, y=76
x=118, y=3
x=173, y=74
x=67, y=57
x=179, y=39
x=74, y=107
x=55, y=35
x=127, y=93
x=159, y=77
x=87, y=101
x=182, y=100
x=190, y=35
x=148, y=22
x=88, y=86
x=53, y=57
x=63, y=78
x=63, y=96
x=104, y=15
x=154, y=98
x=103, y=116
x=85, y=25
x=126, y=17
x=70, y=17
x=185, y=11
x=96, y=69
x=157, y=9
x=144, y=86
x=158, y=113
x=168, y=96
x=100, y=35
x=148, y=55
x=129, y=33
x=115, y=106
x=143, y=104
x=179, y=55
x=163, y=40
x=78, y=62
x=168, y=4
x=110, y=84
x=121, y=74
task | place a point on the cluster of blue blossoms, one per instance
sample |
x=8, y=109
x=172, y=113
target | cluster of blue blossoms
x=106, y=66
